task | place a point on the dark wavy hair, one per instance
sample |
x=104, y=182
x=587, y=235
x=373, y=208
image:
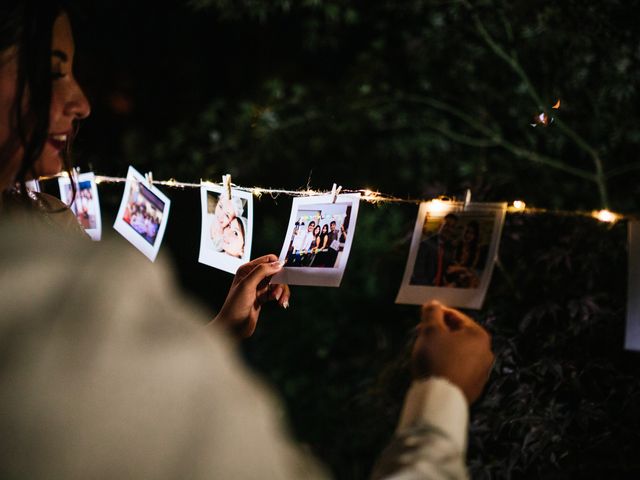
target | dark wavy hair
x=28, y=25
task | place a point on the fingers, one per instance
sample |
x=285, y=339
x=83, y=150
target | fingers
x=248, y=267
x=436, y=315
x=456, y=320
x=432, y=315
x=278, y=292
x=284, y=298
x=261, y=272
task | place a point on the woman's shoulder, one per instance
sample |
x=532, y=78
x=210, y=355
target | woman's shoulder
x=57, y=213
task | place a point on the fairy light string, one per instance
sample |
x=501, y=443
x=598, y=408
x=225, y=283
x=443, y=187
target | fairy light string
x=373, y=197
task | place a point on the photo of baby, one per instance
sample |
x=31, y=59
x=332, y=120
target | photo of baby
x=225, y=240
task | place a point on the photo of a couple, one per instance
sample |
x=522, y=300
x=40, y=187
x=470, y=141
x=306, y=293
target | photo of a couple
x=452, y=255
x=453, y=251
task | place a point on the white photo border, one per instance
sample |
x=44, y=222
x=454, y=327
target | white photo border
x=33, y=186
x=455, y=297
x=221, y=260
x=94, y=233
x=632, y=332
x=318, y=276
x=127, y=231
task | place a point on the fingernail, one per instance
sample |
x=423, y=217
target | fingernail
x=278, y=295
x=285, y=304
x=279, y=264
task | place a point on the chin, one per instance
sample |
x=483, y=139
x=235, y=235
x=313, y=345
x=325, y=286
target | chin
x=50, y=163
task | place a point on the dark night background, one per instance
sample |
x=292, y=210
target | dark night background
x=416, y=99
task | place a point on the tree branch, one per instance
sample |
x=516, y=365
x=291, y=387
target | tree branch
x=511, y=60
x=496, y=138
x=623, y=169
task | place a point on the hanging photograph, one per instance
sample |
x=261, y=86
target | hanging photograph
x=143, y=214
x=318, y=240
x=452, y=255
x=85, y=205
x=225, y=239
x=33, y=185
x=632, y=334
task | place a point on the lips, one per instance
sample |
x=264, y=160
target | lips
x=58, y=140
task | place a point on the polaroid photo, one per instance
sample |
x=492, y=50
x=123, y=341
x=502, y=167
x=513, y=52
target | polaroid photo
x=227, y=227
x=143, y=214
x=318, y=240
x=453, y=252
x=32, y=185
x=632, y=334
x=86, y=204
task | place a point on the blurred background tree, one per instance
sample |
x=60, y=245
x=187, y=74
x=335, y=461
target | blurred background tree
x=417, y=99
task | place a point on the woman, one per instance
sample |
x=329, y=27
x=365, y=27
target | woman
x=224, y=212
x=322, y=245
x=40, y=104
x=313, y=247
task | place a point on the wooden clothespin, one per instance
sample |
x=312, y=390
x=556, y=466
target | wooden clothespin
x=467, y=199
x=226, y=184
x=148, y=178
x=335, y=191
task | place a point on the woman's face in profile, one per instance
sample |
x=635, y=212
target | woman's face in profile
x=233, y=239
x=68, y=104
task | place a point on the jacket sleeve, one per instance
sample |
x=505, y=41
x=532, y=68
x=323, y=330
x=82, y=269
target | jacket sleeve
x=430, y=441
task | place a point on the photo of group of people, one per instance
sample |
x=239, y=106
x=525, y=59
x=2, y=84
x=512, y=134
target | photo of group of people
x=85, y=205
x=143, y=214
x=225, y=240
x=452, y=254
x=318, y=241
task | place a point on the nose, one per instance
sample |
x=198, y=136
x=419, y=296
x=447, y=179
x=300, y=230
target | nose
x=76, y=104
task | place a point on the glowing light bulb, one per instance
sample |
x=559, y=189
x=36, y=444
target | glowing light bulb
x=436, y=206
x=519, y=205
x=605, y=216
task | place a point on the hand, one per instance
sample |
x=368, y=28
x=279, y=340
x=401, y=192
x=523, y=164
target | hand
x=452, y=346
x=249, y=291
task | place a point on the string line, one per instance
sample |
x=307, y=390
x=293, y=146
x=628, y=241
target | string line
x=368, y=196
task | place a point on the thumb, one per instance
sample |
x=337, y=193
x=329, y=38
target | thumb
x=432, y=315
